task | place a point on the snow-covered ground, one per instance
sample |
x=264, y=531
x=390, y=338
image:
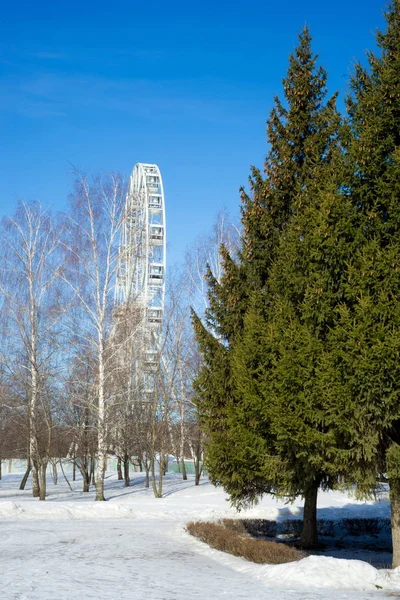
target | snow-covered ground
x=134, y=546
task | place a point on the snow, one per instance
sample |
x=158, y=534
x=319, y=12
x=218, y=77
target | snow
x=327, y=572
x=135, y=546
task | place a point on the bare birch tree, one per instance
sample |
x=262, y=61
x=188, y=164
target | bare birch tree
x=94, y=227
x=176, y=380
x=31, y=268
x=79, y=413
x=205, y=251
x=126, y=385
x=181, y=354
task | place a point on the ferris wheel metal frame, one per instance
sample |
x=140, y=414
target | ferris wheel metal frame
x=140, y=280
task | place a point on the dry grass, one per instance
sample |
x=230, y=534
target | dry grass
x=255, y=527
x=230, y=535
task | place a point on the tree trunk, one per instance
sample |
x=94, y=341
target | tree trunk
x=1, y=462
x=25, y=477
x=182, y=441
x=119, y=469
x=85, y=472
x=395, y=517
x=157, y=492
x=197, y=472
x=309, y=535
x=92, y=477
x=126, y=471
x=197, y=462
x=161, y=473
x=34, y=393
x=86, y=483
x=42, y=475
x=35, y=481
x=101, y=462
x=54, y=472
x=147, y=482
x=65, y=477
x=84, y=468
x=101, y=426
x=74, y=469
x=184, y=474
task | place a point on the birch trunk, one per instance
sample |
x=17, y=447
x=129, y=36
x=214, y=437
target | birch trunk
x=157, y=489
x=92, y=465
x=161, y=472
x=126, y=471
x=197, y=470
x=64, y=475
x=100, y=467
x=153, y=476
x=35, y=481
x=84, y=468
x=197, y=456
x=101, y=426
x=184, y=474
x=27, y=473
x=33, y=447
x=84, y=464
x=54, y=472
x=86, y=482
x=33, y=451
x=42, y=480
x=119, y=469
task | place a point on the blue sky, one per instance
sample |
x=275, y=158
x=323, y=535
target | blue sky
x=187, y=85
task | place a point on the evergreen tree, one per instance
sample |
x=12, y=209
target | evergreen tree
x=362, y=368
x=279, y=358
x=250, y=451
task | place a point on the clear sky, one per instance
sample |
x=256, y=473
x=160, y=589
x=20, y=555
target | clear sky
x=187, y=85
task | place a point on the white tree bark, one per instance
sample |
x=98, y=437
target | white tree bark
x=29, y=274
x=92, y=250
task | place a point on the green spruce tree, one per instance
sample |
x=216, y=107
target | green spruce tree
x=362, y=368
x=287, y=335
x=249, y=425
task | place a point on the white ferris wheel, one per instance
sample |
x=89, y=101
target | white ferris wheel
x=140, y=281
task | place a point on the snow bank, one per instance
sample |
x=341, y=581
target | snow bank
x=182, y=502
x=313, y=572
x=327, y=572
x=33, y=510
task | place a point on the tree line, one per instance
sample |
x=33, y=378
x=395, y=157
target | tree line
x=68, y=350
x=299, y=384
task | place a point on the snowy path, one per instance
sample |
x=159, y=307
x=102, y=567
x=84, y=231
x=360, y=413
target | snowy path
x=135, y=547
x=111, y=559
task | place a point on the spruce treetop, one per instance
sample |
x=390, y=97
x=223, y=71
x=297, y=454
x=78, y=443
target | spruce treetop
x=301, y=132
